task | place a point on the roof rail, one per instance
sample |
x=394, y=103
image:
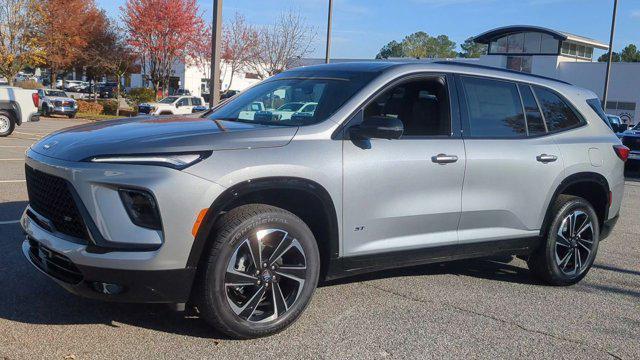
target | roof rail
x=478, y=66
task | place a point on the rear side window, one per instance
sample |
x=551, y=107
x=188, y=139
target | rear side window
x=535, y=122
x=595, y=105
x=558, y=115
x=196, y=101
x=494, y=108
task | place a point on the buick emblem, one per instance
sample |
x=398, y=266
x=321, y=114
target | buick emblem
x=49, y=145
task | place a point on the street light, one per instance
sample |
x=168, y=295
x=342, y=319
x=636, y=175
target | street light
x=216, y=28
x=608, y=73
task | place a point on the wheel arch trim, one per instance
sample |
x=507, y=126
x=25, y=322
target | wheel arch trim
x=248, y=187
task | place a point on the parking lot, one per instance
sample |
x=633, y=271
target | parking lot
x=470, y=309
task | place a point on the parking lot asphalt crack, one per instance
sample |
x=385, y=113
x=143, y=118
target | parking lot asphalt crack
x=496, y=319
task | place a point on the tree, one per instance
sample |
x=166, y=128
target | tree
x=65, y=30
x=163, y=31
x=18, y=44
x=281, y=44
x=392, y=50
x=472, y=49
x=420, y=45
x=630, y=54
x=605, y=57
x=239, y=44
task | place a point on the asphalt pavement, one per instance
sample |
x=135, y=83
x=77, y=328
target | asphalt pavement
x=487, y=308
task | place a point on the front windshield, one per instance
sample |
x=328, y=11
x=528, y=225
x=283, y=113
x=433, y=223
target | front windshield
x=56, y=93
x=637, y=127
x=279, y=101
x=168, y=100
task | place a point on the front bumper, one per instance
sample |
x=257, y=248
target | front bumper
x=160, y=286
x=64, y=110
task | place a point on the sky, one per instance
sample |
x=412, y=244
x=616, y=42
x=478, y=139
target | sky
x=362, y=27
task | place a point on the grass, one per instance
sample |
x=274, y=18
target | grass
x=94, y=117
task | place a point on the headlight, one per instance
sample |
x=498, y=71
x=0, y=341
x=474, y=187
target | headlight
x=175, y=161
x=141, y=208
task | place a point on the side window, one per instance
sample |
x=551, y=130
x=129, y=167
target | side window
x=422, y=106
x=535, y=122
x=558, y=115
x=196, y=101
x=494, y=108
x=183, y=102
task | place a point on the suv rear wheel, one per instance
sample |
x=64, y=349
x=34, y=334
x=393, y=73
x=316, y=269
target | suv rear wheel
x=572, y=243
x=259, y=273
x=7, y=123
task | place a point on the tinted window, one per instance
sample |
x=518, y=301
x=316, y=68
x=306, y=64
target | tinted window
x=196, y=101
x=422, y=105
x=494, y=108
x=535, y=123
x=557, y=113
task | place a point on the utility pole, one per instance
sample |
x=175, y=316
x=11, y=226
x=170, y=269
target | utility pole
x=328, y=53
x=216, y=35
x=608, y=73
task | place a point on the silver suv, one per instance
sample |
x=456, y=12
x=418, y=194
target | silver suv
x=240, y=212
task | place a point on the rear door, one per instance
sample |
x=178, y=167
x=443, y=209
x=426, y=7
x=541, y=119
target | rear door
x=511, y=162
x=404, y=194
x=183, y=105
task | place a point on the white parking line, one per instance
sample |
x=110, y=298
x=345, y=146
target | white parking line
x=9, y=222
x=12, y=181
x=16, y=159
x=13, y=146
x=31, y=134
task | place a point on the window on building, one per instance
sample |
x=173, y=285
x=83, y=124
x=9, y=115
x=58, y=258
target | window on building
x=532, y=43
x=558, y=115
x=422, y=105
x=535, y=122
x=515, y=43
x=494, y=108
x=548, y=44
x=519, y=63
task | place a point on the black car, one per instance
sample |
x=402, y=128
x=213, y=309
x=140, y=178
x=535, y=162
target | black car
x=631, y=139
x=108, y=90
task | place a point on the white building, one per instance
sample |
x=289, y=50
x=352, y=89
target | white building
x=567, y=57
x=195, y=78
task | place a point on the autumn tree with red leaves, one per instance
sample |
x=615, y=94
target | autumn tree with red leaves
x=163, y=31
x=65, y=30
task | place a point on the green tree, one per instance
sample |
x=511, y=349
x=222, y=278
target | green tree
x=472, y=49
x=614, y=58
x=630, y=54
x=392, y=49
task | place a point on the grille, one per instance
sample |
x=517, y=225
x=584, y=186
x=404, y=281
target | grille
x=53, y=263
x=50, y=197
x=58, y=103
x=632, y=143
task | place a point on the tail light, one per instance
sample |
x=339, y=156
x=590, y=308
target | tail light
x=36, y=99
x=622, y=152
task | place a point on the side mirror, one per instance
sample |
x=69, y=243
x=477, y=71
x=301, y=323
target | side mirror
x=378, y=127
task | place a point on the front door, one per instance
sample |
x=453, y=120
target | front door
x=404, y=194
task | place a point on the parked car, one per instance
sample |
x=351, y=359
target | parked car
x=57, y=102
x=401, y=164
x=631, y=139
x=180, y=92
x=72, y=85
x=17, y=106
x=108, y=90
x=285, y=111
x=173, y=105
x=617, y=125
x=228, y=93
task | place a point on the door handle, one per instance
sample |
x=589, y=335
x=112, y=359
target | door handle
x=444, y=159
x=544, y=158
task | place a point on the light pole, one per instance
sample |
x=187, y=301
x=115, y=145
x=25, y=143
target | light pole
x=216, y=29
x=328, y=53
x=608, y=73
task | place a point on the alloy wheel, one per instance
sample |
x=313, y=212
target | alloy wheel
x=574, y=243
x=5, y=124
x=265, y=275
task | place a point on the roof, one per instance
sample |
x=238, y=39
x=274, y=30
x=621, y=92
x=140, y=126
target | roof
x=487, y=36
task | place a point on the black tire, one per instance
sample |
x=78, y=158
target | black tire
x=233, y=231
x=45, y=110
x=552, y=262
x=7, y=123
x=71, y=116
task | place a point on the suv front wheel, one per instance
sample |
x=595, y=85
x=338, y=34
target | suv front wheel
x=571, y=244
x=260, y=272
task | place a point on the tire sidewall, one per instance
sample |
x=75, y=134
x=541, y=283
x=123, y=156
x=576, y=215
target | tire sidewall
x=565, y=209
x=12, y=123
x=215, y=273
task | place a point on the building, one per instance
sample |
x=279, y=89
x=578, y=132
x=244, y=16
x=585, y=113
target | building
x=567, y=57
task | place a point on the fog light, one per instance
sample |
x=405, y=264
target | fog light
x=107, y=289
x=141, y=207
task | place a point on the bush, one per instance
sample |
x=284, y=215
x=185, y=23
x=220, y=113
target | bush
x=141, y=95
x=128, y=112
x=90, y=107
x=110, y=107
x=28, y=84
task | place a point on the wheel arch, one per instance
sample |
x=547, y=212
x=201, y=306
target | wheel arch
x=12, y=107
x=591, y=186
x=303, y=197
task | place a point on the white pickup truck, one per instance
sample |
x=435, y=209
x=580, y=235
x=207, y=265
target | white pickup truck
x=17, y=106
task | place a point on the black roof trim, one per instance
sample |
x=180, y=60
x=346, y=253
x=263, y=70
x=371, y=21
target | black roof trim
x=487, y=36
x=485, y=67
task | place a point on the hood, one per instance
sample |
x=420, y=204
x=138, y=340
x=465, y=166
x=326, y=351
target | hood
x=149, y=135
